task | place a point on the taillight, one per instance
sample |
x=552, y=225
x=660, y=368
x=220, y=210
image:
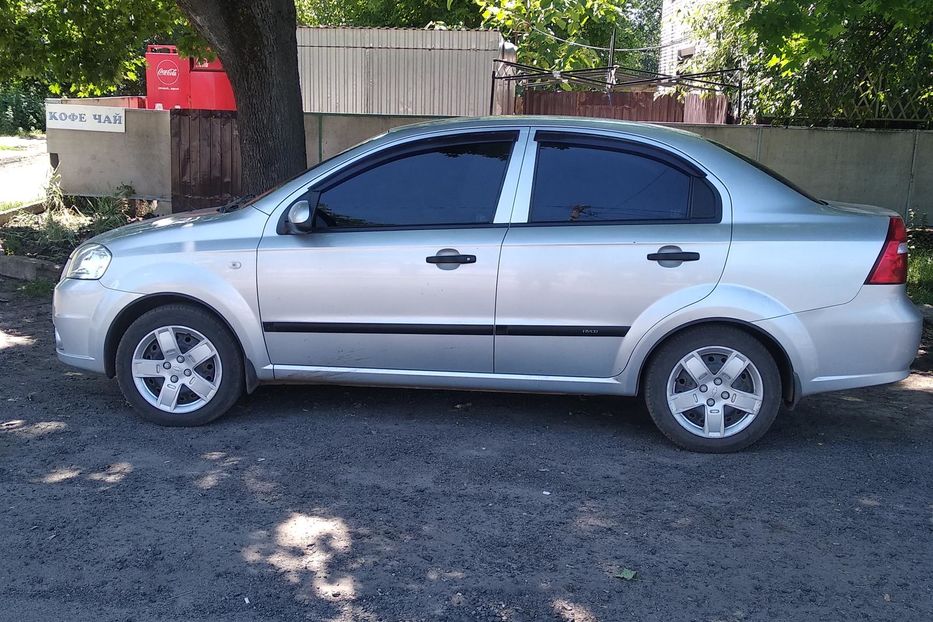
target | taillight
x=891, y=265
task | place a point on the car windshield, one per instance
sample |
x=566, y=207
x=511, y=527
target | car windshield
x=770, y=172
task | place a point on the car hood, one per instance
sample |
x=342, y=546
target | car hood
x=187, y=227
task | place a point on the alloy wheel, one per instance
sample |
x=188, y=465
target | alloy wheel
x=176, y=369
x=715, y=392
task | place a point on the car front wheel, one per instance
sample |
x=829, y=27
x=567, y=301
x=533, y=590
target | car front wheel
x=713, y=389
x=179, y=366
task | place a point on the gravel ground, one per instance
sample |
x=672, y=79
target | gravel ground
x=348, y=504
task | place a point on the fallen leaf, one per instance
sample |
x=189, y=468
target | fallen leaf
x=626, y=574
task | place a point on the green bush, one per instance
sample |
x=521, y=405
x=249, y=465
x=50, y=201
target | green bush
x=920, y=275
x=22, y=108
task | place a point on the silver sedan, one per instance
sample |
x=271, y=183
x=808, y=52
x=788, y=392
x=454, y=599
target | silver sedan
x=539, y=254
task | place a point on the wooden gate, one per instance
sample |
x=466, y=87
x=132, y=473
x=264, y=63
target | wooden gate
x=205, y=158
x=627, y=105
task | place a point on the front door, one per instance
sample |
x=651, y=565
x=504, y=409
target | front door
x=400, y=269
x=612, y=228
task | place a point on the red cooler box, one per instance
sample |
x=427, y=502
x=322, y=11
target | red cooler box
x=210, y=87
x=168, y=82
x=176, y=82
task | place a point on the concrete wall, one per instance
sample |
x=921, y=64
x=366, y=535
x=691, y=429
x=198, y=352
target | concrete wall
x=891, y=168
x=326, y=135
x=95, y=163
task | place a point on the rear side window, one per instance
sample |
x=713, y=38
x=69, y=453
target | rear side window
x=435, y=185
x=577, y=183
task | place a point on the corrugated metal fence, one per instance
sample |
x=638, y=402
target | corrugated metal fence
x=627, y=105
x=396, y=71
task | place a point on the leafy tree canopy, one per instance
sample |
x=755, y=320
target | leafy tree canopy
x=389, y=13
x=548, y=32
x=84, y=48
x=858, y=61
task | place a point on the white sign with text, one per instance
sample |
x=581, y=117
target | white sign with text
x=91, y=118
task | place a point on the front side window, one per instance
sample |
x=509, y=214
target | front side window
x=594, y=183
x=436, y=185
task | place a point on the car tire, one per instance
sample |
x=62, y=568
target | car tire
x=200, y=380
x=731, y=378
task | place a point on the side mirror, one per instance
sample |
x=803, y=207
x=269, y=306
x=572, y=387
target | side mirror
x=300, y=215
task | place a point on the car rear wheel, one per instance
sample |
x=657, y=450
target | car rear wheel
x=179, y=366
x=713, y=389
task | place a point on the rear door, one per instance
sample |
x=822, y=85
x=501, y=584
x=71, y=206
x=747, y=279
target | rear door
x=603, y=228
x=400, y=269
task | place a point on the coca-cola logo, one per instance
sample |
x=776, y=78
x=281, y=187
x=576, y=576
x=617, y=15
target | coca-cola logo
x=167, y=72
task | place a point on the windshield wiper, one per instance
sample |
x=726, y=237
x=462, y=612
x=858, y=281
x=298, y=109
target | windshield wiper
x=234, y=203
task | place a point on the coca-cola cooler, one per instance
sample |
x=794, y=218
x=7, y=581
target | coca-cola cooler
x=173, y=81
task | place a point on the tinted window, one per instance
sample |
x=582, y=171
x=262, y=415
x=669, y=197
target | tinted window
x=576, y=183
x=444, y=185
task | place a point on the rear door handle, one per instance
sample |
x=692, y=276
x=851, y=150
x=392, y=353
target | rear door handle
x=675, y=256
x=451, y=259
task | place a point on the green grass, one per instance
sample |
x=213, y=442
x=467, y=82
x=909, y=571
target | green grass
x=6, y=206
x=40, y=288
x=920, y=276
x=12, y=148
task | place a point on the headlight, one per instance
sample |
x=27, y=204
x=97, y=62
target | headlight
x=89, y=262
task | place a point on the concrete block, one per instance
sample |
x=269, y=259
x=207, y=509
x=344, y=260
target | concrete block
x=7, y=216
x=28, y=269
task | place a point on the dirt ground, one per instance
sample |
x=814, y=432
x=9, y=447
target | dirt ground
x=353, y=504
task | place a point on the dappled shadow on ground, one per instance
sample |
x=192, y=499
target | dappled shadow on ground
x=334, y=503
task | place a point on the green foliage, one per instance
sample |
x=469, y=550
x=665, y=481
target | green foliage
x=546, y=31
x=826, y=60
x=84, y=48
x=22, y=108
x=67, y=222
x=387, y=13
x=40, y=288
x=920, y=276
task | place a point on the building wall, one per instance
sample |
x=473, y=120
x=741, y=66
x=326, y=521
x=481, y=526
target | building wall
x=397, y=71
x=890, y=168
x=676, y=34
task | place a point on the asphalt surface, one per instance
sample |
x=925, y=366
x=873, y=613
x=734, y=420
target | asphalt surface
x=350, y=504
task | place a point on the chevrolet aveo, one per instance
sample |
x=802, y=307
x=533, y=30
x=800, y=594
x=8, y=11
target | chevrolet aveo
x=539, y=254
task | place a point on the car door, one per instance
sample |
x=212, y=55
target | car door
x=399, y=270
x=603, y=229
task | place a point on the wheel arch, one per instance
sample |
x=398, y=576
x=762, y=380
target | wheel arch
x=142, y=305
x=790, y=382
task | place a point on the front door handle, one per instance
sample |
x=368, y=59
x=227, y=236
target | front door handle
x=446, y=259
x=674, y=256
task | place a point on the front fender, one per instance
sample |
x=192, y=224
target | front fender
x=227, y=285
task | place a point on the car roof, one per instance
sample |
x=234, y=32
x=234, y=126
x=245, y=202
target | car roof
x=660, y=133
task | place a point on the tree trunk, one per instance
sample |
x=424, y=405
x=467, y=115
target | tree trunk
x=256, y=42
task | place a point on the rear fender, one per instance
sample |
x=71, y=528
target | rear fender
x=726, y=304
